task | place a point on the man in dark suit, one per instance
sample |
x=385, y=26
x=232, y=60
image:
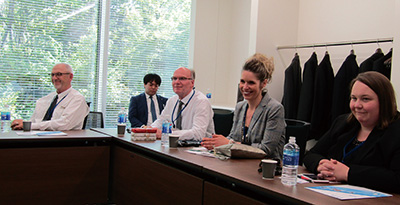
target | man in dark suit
x=146, y=107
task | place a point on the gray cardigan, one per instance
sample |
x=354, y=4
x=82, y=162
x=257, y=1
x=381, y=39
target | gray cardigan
x=267, y=126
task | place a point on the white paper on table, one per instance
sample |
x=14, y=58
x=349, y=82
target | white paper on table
x=302, y=181
x=346, y=192
x=41, y=133
x=22, y=133
x=201, y=151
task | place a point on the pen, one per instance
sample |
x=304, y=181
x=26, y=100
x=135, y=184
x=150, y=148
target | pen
x=304, y=178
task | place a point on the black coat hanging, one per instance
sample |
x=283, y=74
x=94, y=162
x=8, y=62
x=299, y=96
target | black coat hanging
x=341, y=91
x=384, y=65
x=291, y=88
x=368, y=63
x=322, y=103
x=307, y=89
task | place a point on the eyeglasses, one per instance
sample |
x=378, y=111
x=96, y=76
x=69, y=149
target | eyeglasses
x=58, y=74
x=180, y=78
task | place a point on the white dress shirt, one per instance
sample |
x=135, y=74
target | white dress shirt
x=149, y=116
x=197, y=116
x=69, y=113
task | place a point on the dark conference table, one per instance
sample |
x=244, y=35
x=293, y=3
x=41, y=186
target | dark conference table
x=72, y=169
x=98, y=166
x=176, y=172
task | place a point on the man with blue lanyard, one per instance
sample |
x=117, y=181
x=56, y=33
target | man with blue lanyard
x=64, y=109
x=189, y=110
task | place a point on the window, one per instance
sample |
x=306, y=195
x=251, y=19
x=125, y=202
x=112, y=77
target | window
x=144, y=36
x=34, y=36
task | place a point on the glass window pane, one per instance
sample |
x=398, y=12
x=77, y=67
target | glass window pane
x=145, y=37
x=34, y=36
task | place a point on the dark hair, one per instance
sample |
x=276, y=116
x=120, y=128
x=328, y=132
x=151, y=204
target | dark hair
x=152, y=77
x=262, y=66
x=382, y=87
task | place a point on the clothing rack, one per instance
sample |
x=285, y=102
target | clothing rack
x=342, y=43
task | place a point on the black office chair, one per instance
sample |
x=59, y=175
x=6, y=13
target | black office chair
x=93, y=120
x=300, y=130
x=84, y=121
x=223, y=120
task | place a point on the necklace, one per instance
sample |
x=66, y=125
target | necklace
x=352, y=142
x=356, y=142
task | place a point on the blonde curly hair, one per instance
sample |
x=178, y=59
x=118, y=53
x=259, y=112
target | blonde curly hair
x=262, y=66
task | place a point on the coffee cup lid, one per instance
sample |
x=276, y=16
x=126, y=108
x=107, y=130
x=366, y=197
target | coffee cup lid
x=269, y=161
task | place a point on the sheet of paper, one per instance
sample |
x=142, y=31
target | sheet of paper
x=346, y=192
x=52, y=133
x=22, y=133
x=302, y=181
x=41, y=133
x=201, y=151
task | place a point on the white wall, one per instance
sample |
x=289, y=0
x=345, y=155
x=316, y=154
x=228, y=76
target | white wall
x=227, y=32
x=342, y=20
x=396, y=54
x=277, y=25
x=221, y=44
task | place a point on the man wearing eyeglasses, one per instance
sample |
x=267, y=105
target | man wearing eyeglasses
x=64, y=109
x=189, y=110
x=147, y=106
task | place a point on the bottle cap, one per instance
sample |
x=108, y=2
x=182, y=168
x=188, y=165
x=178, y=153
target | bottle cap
x=292, y=139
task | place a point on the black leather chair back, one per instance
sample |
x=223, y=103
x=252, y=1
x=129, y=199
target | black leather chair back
x=223, y=120
x=94, y=120
x=300, y=130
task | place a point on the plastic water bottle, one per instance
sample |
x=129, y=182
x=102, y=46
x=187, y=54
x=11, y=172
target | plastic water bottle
x=122, y=116
x=166, y=130
x=290, y=162
x=5, y=119
x=208, y=95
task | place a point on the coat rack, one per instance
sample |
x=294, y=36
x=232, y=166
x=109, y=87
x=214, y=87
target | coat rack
x=342, y=43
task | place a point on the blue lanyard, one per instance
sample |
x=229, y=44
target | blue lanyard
x=244, y=133
x=52, y=110
x=179, y=114
x=351, y=151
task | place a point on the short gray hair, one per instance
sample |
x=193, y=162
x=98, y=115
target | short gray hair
x=192, y=74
